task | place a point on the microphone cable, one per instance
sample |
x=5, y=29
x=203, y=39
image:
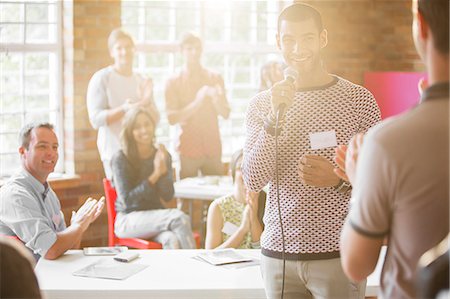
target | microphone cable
x=278, y=201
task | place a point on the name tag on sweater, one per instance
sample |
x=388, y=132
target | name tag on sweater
x=229, y=228
x=323, y=140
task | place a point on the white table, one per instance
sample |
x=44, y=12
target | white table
x=205, y=188
x=170, y=274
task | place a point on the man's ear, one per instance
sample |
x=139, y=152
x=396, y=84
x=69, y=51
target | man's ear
x=22, y=150
x=323, y=38
x=422, y=26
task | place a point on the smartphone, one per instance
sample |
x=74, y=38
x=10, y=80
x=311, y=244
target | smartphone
x=104, y=250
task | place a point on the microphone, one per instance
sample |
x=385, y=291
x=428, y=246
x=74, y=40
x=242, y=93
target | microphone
x=291, y=75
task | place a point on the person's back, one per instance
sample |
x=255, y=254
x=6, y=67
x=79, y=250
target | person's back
x=401, y=181
x=415, y=177
x=17, y=278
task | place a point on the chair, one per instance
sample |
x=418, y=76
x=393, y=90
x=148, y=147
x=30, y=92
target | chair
x=113, y=240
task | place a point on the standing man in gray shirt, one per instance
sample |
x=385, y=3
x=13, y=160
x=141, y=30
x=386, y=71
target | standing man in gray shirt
x=30, y=208
x=401, y=181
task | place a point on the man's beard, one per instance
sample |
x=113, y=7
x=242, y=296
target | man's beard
x=311, y=66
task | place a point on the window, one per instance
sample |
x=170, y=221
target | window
x=238, y=36
x=30, y=73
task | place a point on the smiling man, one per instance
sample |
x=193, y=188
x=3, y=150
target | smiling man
x=29, y=207
x=322, y=111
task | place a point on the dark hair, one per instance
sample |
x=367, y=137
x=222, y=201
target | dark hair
x=299, y=12
x=25, y=132
x=189, y=38
x=436, y=14
x=233, y=162
x=129, y=146
x=261, y=206
x=237, y=155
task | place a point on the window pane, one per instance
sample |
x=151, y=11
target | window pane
x=156, y=16
x=11, y=12
x=40, y=33
x=8, y=143
x=37, y=102
x=36, y=61
x=9, y=163
x=11, y=33
x=11, y=102
x=9, y=123
x=36, y=83
x=37, y=13
x=42, y=116
x=157, y=33
x=241, y=18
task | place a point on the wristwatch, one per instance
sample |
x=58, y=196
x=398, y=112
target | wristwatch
x=343, y=186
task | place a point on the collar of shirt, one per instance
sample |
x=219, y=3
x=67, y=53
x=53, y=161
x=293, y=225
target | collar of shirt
x=37, y=186
x=436, y=91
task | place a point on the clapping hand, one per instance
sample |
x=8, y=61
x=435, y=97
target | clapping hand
x=351, y=157
x=339, y=159
x=87, y=213
x=159, y=162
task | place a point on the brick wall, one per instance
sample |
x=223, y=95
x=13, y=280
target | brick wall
x=368, y=35
x=364, y=35
x=87, y=24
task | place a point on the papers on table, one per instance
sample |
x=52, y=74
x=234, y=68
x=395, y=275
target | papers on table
x=110, y=269
x=222, y=256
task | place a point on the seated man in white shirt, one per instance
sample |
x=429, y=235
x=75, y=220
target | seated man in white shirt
x=30, y=209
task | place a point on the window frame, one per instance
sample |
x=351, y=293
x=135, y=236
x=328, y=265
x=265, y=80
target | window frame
x=170, y=47
x=23, y=48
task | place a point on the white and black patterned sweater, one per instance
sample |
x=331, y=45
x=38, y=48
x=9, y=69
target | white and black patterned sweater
x=312, y=217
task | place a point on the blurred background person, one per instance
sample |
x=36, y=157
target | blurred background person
x=142, y=174
x=271, y=73
x=112, y=91
x=235, y=220
x=195, y=97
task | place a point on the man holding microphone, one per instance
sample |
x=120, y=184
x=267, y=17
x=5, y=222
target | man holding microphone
x=305, y=212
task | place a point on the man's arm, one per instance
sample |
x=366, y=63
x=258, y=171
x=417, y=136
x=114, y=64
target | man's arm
x=100, y=114
x=65, y=240
x=71, y=236
x=258, y=163
x=359, y=253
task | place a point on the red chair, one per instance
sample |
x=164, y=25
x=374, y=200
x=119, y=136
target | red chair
x=113, y=240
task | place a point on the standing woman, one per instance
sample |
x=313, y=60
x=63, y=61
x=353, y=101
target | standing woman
x=112, y=91
x=142, y=175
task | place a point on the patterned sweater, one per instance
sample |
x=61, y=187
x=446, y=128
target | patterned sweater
x=312, y=217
